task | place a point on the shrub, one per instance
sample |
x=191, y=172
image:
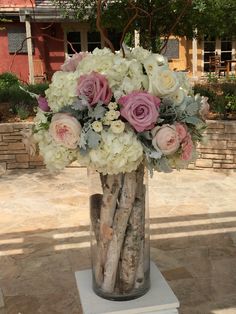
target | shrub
x=38, y=89
x=8, y=79
x=204, y=90
x=229, y=89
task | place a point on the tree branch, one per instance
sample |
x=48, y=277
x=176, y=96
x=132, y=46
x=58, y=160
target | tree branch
x=100, y=28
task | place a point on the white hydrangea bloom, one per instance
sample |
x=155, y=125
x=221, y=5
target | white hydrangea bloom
x=116, y=153
x=62, y=90
x=140, y=53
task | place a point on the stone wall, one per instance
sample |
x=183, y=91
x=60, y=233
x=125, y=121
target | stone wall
x=13, y=154
x=219, y=152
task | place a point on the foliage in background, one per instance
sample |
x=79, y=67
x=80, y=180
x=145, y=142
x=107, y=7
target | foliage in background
x=21, y=103
x=156, y=18
x=221, y=97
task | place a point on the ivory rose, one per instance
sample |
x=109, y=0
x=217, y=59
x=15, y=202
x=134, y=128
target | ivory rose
x=166, y=139
x=140, y=109
x=95, y=87
x=163, y=82
x=65, y=130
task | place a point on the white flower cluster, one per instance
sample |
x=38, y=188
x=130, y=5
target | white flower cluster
x=62, y=90
x=116, y=153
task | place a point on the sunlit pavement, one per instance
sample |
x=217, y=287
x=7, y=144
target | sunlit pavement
x=44, y=239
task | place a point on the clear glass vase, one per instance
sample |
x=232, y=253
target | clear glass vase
x=120, y=241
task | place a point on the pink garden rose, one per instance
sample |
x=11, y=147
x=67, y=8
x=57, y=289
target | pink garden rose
x=95, y=87
x=166, y=139
x=65, y=130
x=71, y=64
x=43, y=104
x=181, y=129
x=140, y=109
x=187, y=148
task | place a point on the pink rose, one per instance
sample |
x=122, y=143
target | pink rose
x=181, y=129
x=43, y=104
x=95, y=87
x=187, y=148
x=71, y=64
x=65, y=130
x=140, y=109
x=166, y=139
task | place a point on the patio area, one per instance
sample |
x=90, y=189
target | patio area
x=44, y=239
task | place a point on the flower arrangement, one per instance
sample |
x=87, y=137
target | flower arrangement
x=110, y=113
x=117, y=115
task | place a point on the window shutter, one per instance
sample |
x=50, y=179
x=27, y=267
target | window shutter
x=172, y=49
x=16, y=36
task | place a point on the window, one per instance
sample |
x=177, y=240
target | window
x=73, y=40
x=16, y=37
x=172, y=49
x=94, y=41
x=212, y=46
x=209, y=50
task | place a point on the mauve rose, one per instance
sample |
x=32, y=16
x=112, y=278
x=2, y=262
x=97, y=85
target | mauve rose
x=95, y=87
x=43, y=104
x=166, y=139
x=65, y=130
x=187, y=147
x=181, y=129
x=140, y=109
x=71, y=64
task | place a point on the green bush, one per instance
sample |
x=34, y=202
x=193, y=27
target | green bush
x=4, y=95
x=204, y=90
x=8, y=79
x=229, y=88
x=38, y=89
x=18, y=96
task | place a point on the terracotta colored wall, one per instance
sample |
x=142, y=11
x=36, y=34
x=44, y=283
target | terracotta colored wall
x=17, y=65
x=15, y=3
x=50, y=50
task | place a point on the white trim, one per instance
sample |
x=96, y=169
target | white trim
x=30, y=51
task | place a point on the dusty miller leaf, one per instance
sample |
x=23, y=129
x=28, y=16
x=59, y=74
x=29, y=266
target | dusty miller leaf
x=93, y=139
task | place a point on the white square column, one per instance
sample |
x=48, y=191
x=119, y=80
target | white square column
x=160, y=299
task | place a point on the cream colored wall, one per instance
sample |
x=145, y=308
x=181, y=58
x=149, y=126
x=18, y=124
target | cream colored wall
x=180, y=64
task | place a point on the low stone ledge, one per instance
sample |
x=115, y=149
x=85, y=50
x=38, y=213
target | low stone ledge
x=218, y=153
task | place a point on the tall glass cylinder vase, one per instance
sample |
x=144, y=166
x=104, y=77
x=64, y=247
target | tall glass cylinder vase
x=120, y=245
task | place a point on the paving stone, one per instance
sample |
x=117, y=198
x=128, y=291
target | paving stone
x=44, y=239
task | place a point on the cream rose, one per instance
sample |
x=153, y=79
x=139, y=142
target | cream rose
x=65, y=130
x=166, y=139
x=163, y=82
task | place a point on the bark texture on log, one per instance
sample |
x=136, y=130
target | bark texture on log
x=134, y=236
x=120, y=224
x=111, y=187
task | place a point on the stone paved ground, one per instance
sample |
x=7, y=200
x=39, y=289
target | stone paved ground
x=44, y=239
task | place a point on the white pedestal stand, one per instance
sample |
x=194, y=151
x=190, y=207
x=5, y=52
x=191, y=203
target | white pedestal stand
x=160, y=299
